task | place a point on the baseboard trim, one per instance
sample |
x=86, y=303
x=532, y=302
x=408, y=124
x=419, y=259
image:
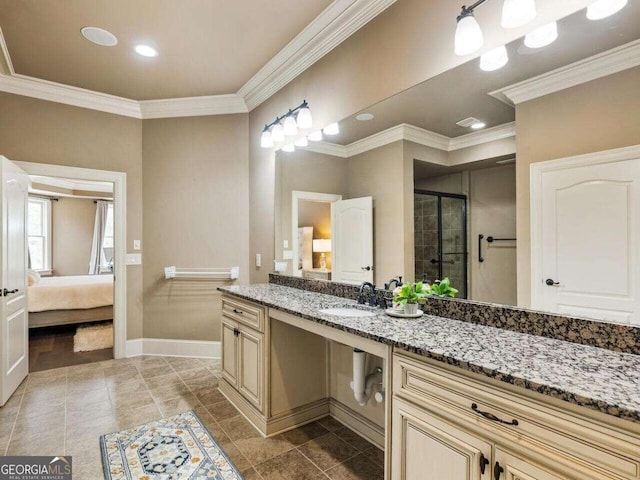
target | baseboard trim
x=173, y=348
x=358, y=423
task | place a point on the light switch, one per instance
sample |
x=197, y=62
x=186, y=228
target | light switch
x=134, y=259
x=287, y=255
x=285, y=244
x=258, y=260
x=136, y=244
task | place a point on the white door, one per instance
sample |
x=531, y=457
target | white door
x=588, y=249
x=352, y=240
x=14, y=331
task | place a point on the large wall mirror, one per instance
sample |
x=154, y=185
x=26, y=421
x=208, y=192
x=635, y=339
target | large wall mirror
x=449, y=197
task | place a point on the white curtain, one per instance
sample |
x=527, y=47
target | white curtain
x=98, y=237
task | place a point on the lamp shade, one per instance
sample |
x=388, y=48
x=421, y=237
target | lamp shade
x=331, y=129
x=301, y=142
x=493, y=60
x=266, y=141
x=542, y=36
x=277, y=133
x=322, y=245
x=469, y=37
x=604, y=8
x=290, y=126
x=516, y=13
x=304, y=118
x=290, y=147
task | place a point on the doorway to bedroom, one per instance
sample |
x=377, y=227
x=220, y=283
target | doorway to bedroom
x=70, y=229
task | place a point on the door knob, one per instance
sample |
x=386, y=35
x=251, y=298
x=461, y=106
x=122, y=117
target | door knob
x=550, y=282
x=367, y=268
x=6, y=292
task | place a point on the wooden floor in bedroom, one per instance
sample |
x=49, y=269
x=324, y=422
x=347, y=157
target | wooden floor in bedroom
x=52, y=347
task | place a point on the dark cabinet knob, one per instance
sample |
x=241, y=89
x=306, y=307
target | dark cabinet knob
x=550, y=282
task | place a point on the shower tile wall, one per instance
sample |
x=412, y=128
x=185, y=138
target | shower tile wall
x=453, y=242
x=426, y=235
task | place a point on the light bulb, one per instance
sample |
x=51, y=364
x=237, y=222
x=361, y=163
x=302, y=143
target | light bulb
x=478, y=125
x=331, y=129
x=316, y=136
x=301, y=142
x=469, y=37
x=516, y=13
x=304, y=118
x=290, y=126
x=542, y=36
x=266, y=141
x=289, y=148
x=604, y=8
x=146, y=51
x=277, y=133
x=494, y=59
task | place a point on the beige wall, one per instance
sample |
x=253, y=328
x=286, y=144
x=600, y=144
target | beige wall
x=72, y=235
x=195, y=199
x=34, y=130
x=393, y=52
x=595, y=116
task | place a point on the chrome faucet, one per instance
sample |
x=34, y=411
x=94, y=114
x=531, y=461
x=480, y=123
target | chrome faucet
x=372, y=293
x=394, y=281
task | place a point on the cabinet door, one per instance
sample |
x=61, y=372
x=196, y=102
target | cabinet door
x=427, y=448
x=250, y=374
x=229, y=352
x=511, y=467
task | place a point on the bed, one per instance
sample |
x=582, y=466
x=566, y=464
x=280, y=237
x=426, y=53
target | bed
x=69, y=300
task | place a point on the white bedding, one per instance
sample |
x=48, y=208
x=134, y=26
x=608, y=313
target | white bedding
x=71, y=293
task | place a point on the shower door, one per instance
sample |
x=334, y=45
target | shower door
x=440, y=221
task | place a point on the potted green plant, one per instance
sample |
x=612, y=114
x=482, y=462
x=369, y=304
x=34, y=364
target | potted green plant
x=441, y=288
x=407, y=297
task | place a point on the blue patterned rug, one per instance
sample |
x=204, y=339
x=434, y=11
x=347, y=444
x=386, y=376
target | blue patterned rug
x=173, y=448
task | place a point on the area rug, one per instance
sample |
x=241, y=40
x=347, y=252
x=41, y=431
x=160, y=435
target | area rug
x=173, y=448
x=93, y=337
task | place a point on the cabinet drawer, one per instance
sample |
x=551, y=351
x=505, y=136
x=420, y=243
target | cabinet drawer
x=586, y=446
x=247, y=313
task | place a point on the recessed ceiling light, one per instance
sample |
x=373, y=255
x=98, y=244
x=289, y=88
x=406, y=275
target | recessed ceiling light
x=99, y=36
x=364, y=117
x=146, y=51
x=478, y=125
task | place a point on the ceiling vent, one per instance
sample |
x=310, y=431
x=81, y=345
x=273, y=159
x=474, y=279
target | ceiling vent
x=467, y=122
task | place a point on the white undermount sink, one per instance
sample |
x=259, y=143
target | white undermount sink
x=347, y=312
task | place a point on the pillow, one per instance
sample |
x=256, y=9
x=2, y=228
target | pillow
x=33, y=277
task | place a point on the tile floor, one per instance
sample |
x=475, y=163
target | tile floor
x=67, y=409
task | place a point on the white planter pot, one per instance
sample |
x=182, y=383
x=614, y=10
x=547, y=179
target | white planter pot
x=411, y=308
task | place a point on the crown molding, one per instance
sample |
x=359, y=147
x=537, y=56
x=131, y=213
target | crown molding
x=5, y=53
x=414, y=134
x=78, y=97
x=193, y=106
x=334, y=25
x=492, y=134
x=598, y=66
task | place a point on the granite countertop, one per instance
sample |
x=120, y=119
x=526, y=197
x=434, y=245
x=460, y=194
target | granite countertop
x=593, y=377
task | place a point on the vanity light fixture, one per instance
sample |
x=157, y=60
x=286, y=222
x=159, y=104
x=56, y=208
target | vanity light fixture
x=604, y=8
x=315, y=136
x=469, y=38
x=542, y=36
x=301, y=142
x=331, y=129
x=289, y=148
x=494, y=59
x=286, y=125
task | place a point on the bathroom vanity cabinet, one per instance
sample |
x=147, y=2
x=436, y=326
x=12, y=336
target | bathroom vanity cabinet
x=442, y=421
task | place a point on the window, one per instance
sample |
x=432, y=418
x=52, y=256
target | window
x=107, y=244
x=39, y=232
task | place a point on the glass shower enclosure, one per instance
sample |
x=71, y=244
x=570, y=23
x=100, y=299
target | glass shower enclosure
x=440, y=221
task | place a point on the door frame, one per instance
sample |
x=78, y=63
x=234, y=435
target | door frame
x=296, y=196
x=537, y=170
x=119, y=180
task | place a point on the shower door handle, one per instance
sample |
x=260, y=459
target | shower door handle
x=433, y=261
